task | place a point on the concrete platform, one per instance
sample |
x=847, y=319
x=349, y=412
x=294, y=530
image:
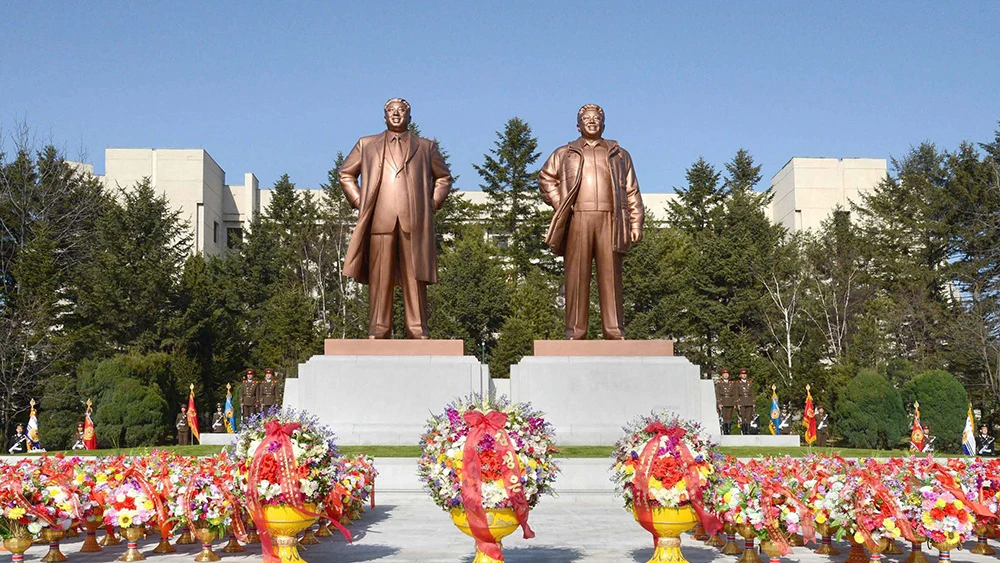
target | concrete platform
x=409, y=528
x=760, y=440
x=628, y=348
x=218, y=439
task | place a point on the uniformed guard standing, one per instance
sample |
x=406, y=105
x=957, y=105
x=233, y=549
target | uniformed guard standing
x=984, y=442
x=745, y=400
x=79, y=443
x=726, y=393
x=268, y=391
x=218, y=420
x=249, y=396
x=822, y=427
x=183, y=430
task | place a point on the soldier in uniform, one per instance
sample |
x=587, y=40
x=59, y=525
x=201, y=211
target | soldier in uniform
x=745, y=400
x=726, y=394
x=183, y=430
x=268, y=391
x=78, y=444
x=218, y=420
x=984, y=442
x=18, y=442
x=822, y=427
x=249, y=396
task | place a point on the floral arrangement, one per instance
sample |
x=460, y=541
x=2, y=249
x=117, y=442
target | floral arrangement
x=128, y=504
x=529, y=436
x=312, y=448
x=204, y=499
x=675, y=452
x=356, y=483
x=828, y=494
x=17, y=516
x=878, y=513
x=89, y=480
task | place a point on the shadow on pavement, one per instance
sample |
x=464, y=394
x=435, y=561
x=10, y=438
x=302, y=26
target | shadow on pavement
x=694, y=553
x=537, y=555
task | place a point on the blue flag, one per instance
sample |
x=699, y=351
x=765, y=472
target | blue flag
x=969, y=435
x=230, y=419
x=775, y=413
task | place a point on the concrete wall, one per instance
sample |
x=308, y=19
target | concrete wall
x=806, y=190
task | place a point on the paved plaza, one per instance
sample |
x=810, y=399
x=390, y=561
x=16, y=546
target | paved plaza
x=409, y=528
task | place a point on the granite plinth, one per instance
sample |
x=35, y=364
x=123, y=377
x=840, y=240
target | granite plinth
x=589, y=398
x=392, y=347
x=382, y=400
x=759, y=440
x=626, y=348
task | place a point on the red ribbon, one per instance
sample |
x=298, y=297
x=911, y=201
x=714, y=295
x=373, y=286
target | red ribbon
x=644, y=470
x=335, y=511
x=806, y=516
x=275, y=432
x=481, y=425
x=16, y=491
x=948, y=483
x=161, y=512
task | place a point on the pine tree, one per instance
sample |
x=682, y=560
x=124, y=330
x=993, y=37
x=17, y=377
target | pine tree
x=514, y=209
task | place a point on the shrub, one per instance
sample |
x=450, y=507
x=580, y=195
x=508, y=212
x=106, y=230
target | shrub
x=944, y=406
x=869, y=413
x=130, y=408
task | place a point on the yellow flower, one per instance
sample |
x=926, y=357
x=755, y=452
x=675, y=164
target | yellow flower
x=681, y=485
x=79, y=479
x=958, y=504
x=820, y=518
x=102, y=477
x=147, y=504
x=15, y=513
x=858, y=538
x=124, y=520
x=729, y=496
x=654, y=483
x=888, y=524
x=940, y=503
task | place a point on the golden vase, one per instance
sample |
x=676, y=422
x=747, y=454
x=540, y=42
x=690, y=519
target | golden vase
x=772, y=551
x=502, y=522
x=132, y=535
x=944, y=549
x=164, y=545
x=284, y=523
x=322, y=530
x=982, y=546
x=894, y=548
x=699, y=533
x=916, y=554
x=185, y=538
x=749, y=535
x=715, y=540
x=233, y=546
x=110, y=538
x=826, y=532
x=72, y=531
x=308, y=537
x=730, y=548
x=53, y=536
x=669, y=524
x=90, y=544
x=857, y=554
x=252, y=535
x=205, y=535
x=17, y=547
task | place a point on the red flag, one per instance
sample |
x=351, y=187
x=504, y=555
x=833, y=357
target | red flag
x=89, y=435
x=809, y=419
x=193, y=416
x=917, y=434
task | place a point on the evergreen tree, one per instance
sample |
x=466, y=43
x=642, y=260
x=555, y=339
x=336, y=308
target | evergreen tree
x=514, y=208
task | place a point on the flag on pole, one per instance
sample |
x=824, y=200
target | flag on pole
x=969, y=434
x=917, y=434
x=230, y=414
x=193, y=416
x=89, y=435
x=775, y=411
x=34, y=441
x=809, y=418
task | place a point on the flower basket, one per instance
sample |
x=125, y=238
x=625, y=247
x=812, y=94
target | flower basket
x=482, y=458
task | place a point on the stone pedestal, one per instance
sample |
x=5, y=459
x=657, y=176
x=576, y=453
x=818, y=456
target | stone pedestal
x=383, y=391
x=761, y=440
x=212, y=439
x=595, y=387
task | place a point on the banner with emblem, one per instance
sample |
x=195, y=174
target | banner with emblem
x=775, y=411
x=89, y=434
x=230, y=414
x=917, y=433
x=192, y=416
x=969, y=434
x=34, y=440
x=809, y=418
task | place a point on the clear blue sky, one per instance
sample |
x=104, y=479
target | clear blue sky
x=270, y=88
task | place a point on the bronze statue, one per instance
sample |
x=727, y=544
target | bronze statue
x=592, y=186
x=404, y=180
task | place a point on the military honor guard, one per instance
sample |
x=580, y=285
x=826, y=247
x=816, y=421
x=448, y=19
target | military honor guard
x=725, y=391
x=985, y=442
x=249, y=396
x=19, y=441
x=269, y=391
x=183, y=430
x=822, y=427
x=745, y=401
x=79, y=444
x=218, y=420
x=786, y=421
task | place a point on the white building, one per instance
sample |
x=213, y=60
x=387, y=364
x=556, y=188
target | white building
x=805, y=190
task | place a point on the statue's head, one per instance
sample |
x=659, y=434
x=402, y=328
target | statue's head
x=590, y=121
x=397, y=115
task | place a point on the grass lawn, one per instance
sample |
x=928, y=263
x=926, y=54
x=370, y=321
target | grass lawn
x=565, y=452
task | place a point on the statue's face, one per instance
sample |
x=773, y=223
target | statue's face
x=397, y=117
x=590, y=124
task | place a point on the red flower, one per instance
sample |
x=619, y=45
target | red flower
x=268, y=468
x=937, y=514
x=492, y=465
x=668, y=471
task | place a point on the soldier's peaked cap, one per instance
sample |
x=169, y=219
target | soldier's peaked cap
x=743, y=370
x=251, y=372
x=269, y=370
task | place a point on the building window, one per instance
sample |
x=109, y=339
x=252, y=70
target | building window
x=215, y=232
x=234, y=238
